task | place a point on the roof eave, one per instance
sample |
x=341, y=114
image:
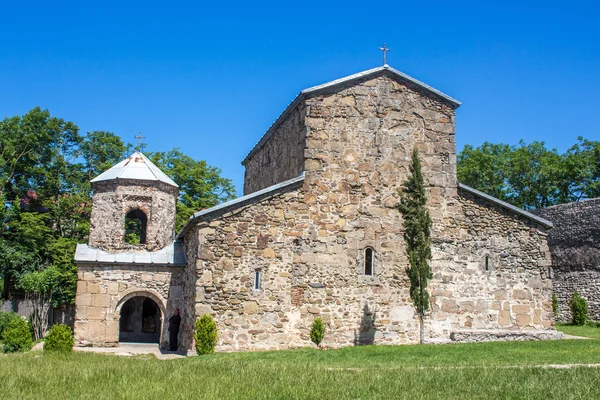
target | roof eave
x=239, y=202
x=316, y=89
x=542, y=221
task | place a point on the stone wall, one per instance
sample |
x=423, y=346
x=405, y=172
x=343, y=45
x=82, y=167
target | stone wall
x=494, y=274
x=309, y=243
x=103, y=289
x=114, y=199
x=575, y=246
x=281, y=157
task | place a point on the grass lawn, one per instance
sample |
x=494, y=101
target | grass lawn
x=508, y=370
x=586, y=330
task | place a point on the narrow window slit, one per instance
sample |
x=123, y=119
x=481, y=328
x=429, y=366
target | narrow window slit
x=368, y=261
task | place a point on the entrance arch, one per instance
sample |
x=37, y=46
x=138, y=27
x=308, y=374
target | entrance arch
x=140, y=320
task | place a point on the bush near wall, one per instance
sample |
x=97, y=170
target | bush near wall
x=17, y=337
x=59, y=338
x=579, y=309
x=5, y=319
x=205, y=335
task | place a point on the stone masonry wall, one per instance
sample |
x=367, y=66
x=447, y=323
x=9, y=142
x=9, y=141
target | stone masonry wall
x=309, y=243
x=280, y=158
x=103, y=289
x=575, y=246
x=114, y=199
x=514, y=292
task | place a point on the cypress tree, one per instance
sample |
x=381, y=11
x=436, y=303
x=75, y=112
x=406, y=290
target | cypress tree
x=417, y=236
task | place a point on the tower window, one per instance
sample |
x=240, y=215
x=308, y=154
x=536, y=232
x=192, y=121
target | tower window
x=257, y=279
x=368, y=261
x=488, y=265
x=135, y=227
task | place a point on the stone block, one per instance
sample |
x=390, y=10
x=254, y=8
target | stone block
x=521, y=294
x=504, y=319
x=269, y=253
x=113, y=287
x=523, y=319
x=449, y=306
x=101, y=300
x=93, y=288
x=250, y=307
x=96, y=313
x=84, y=299
x=520, y=309
x=81, y=287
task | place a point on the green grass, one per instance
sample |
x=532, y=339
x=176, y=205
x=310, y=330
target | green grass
x=590, y=331
x=509, y=370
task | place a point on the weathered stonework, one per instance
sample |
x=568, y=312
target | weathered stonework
x=115, y=198
x=308, y=242
x=575, y=246
x=127, y=292
x=102, y=290
x=331, y=167
x=281, y=156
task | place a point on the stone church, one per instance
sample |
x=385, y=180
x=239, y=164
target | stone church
x=317, y=234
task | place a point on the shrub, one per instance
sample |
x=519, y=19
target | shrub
x=5, y=319
x=317, y=332
x=17, y=336
x=59, y=338
x=579, y=309
x=554, y=305
x=205, y=335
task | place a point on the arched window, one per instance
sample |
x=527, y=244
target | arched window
x=257, y=279
x=135, y=227
x=369, y=254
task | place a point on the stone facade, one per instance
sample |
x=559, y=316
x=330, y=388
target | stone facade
x=119, y=283
x=322, y=189
x=575, y=246
x=102, y=290
x=279, y=156
x=115, y=198
x=308, y=241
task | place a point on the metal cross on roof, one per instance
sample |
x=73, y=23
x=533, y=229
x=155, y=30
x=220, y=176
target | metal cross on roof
x=139, y=138
x=384, y=49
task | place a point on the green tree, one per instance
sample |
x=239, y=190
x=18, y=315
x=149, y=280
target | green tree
x=38, y=287
x=417, y=236
x=530, y=175
x=317, y=331
x=579, y=309
x=200, y=185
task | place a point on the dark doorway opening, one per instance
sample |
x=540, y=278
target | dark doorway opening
x=140, y=321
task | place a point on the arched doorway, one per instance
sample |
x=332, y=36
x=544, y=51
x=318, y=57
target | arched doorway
x=140, y=321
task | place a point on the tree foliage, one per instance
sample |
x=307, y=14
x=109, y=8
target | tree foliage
x=59, y=338
x=417, y=236
x=200, y=185
x=45, y=194
x=17, y=337
x=579, y=309
x=530, y=175
x=317, y=331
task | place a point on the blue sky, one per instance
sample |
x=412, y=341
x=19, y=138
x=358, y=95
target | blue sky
x=210, y=78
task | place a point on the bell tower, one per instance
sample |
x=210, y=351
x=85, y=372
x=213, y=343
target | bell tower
x=133, y=207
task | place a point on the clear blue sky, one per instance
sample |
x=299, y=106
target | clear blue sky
x=211, y=77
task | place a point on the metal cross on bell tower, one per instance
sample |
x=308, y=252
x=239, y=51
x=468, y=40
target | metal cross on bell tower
x=139, y=138
x=385, y=50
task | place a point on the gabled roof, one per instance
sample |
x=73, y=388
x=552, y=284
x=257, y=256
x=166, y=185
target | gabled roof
x=316, y=89
x=241, y=201
x=542, y=221
x=171, y=255
x=138, y=167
